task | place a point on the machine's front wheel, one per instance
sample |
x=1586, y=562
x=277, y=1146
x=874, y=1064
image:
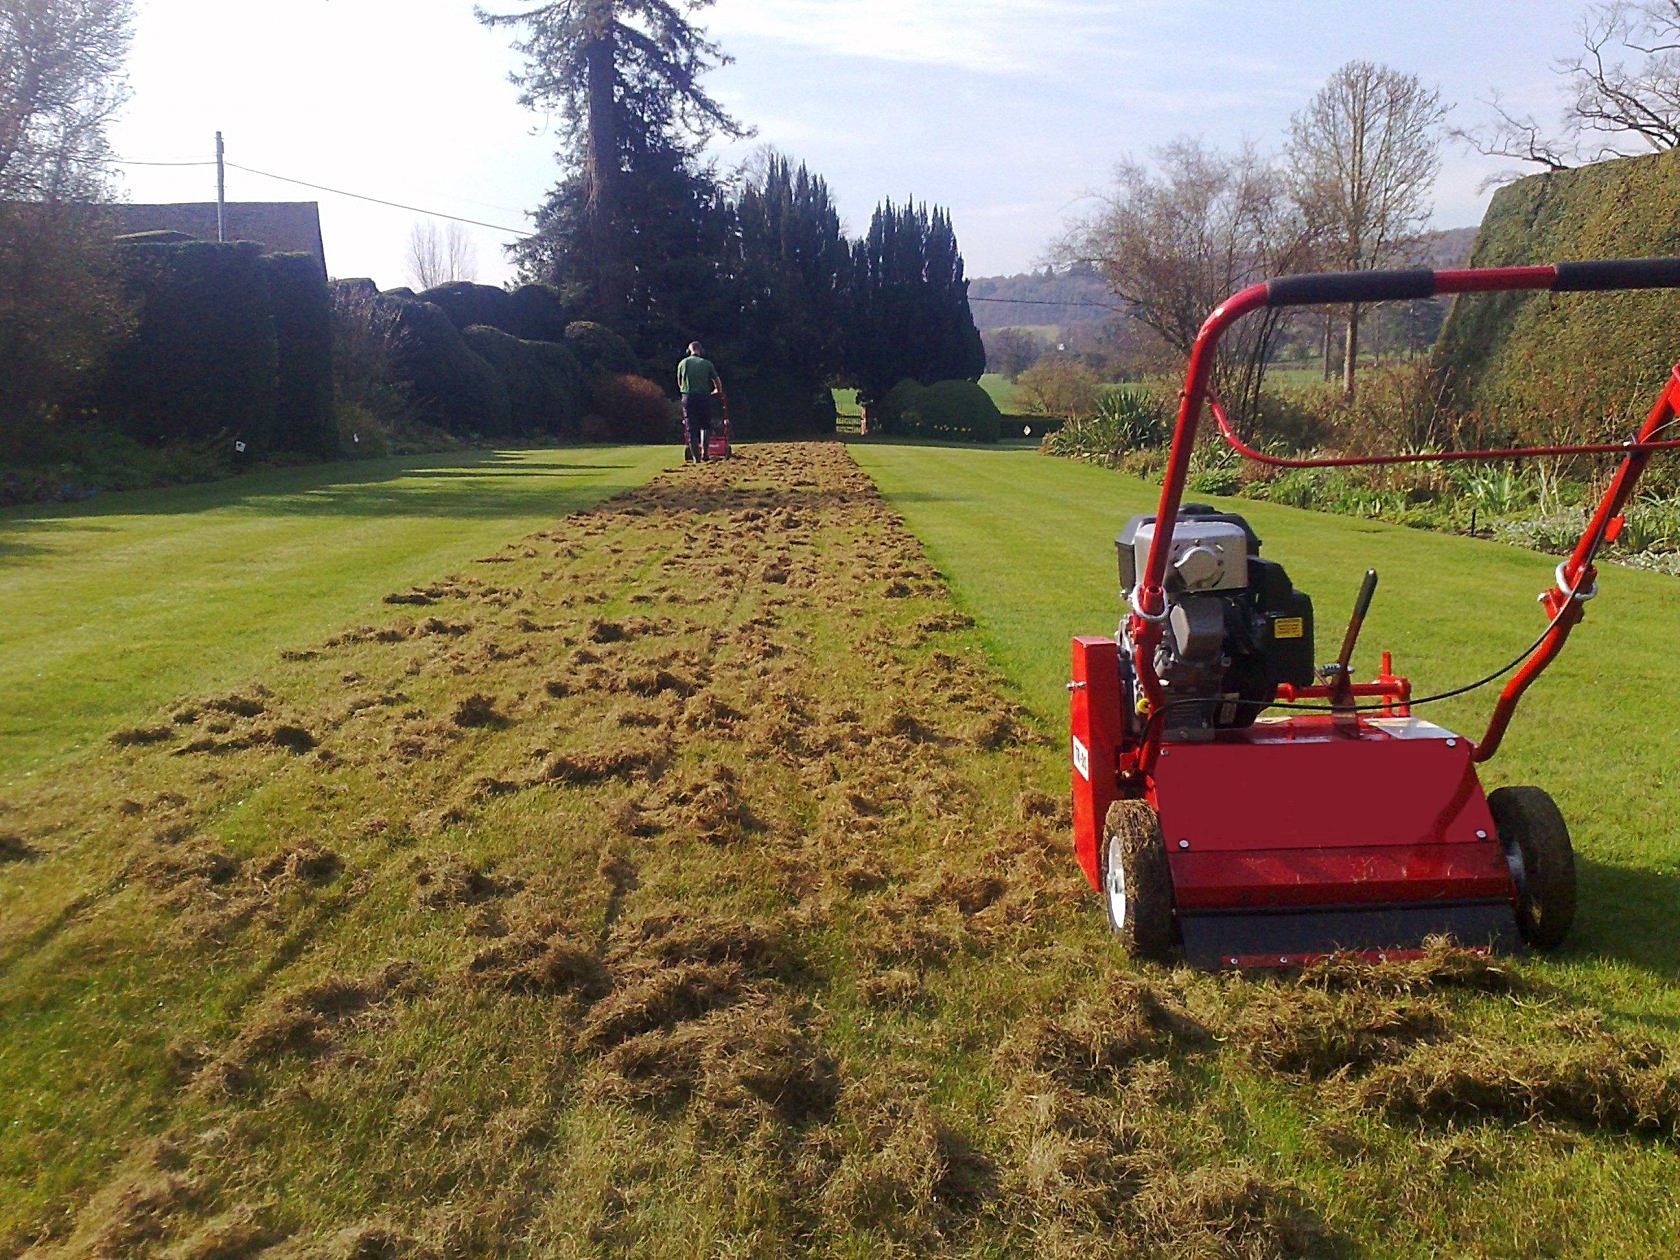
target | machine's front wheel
x=1137, y=882
x=1531, y=827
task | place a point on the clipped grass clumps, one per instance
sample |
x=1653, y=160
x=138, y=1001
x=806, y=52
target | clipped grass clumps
x=1579, y=356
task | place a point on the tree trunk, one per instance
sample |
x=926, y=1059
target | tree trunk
x=1329, y=324
x=600, y=166
x=1350, y=360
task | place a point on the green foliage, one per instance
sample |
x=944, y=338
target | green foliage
x=544, y=380
x=61, y=311
x=537, y=314
x=468, y=304
x=204, y=358
x=779, y=404
x=303, y=334
x=945, y=409
x=1126, y=418
x=1592, y=355
x=445, y=383
x=791, y=290
x=627, y=408
x=599, y=349
x=910, y=312
x=1059, y=386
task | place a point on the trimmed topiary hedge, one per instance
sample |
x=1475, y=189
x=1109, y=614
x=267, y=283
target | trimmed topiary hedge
x=599, y=348
x=536, y=313
x=1580, y=355
x=203, y=360
x=544, y=380
x=468, y=304
x=303, y=333
x=947, y=409
x=447, y=384
x=624, y=407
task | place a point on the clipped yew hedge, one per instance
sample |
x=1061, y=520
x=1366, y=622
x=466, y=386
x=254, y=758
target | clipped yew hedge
x=945, y=409
x=203, y=361
x=1573, y=355
x=303, y=336
x=544, y=380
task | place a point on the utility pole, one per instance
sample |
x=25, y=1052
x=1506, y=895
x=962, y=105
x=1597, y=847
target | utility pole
x=221, y=192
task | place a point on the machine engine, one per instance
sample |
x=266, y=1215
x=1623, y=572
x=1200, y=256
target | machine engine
x=1235, y=627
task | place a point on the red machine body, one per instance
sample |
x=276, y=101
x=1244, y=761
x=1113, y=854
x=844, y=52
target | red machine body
x=1356, y=828
x=716, y=442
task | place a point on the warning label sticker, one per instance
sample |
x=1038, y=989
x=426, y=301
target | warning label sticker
x=1289, y=628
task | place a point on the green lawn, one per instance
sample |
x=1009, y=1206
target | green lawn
x=1027, y=543
x=114, y=605
x=1002, y=390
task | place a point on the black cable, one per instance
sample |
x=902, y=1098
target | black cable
x=380, y=201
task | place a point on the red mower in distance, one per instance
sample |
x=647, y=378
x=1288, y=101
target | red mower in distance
x=1243, y=839
x=715, y=441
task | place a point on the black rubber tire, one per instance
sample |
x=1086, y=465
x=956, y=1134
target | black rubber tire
x=1147, y=926
x=1529, y=821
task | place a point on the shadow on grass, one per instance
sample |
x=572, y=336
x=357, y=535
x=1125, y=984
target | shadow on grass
x=470, y=484
x=1628, y=913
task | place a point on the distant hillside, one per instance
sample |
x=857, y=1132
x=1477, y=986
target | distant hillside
x=1065, y=298
x=1039, y=298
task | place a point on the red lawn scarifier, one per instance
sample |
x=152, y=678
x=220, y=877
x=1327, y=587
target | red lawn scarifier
x=716, y=442
x=1349, y=824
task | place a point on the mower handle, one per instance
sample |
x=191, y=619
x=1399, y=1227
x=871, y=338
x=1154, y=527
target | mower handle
x=1413, y=284
x=1563, y=602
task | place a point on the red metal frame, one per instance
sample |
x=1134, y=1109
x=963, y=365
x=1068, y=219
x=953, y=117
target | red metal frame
x=1576, y=574
x=718, y=441
x=1360, y=828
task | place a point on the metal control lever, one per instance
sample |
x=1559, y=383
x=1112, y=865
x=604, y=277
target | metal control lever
x=1339, y=675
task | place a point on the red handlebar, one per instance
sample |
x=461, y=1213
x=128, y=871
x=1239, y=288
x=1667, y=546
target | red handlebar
x=1576, y=574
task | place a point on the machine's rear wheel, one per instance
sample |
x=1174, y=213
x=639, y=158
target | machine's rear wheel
x=1531, y=827
x=1136, y=881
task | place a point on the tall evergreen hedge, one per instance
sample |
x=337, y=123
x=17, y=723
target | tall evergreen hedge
x=544, y=380
x=1587, y=354
x=303, y=333
x=204, y=356
x=448, y=384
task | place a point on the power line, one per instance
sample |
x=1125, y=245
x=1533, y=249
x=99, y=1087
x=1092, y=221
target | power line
x=1101, y=306
x=380, y=201
x=137, y=162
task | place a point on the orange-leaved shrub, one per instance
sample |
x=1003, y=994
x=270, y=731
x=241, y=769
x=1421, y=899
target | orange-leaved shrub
x=628, y=408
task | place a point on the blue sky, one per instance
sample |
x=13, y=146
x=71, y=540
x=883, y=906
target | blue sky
x=1008, y=111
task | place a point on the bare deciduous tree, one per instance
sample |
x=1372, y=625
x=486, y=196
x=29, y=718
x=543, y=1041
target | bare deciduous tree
x=1173, y=241
x=1622, y=89
x=1363, y=156
x=60, y=83
x=61, y=305
x=440, y=256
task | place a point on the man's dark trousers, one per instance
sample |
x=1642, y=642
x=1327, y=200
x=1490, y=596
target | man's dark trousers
x=697, y=419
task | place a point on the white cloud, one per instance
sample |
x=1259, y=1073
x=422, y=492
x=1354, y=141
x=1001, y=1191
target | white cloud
x=987, y=36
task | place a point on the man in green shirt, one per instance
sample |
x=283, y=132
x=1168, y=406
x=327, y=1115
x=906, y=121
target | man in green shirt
x=697, y=380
